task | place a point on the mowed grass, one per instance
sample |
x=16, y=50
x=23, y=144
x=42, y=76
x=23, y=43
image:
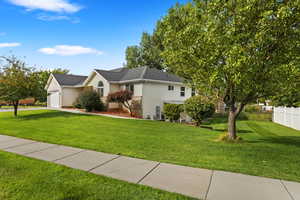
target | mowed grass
x=20, y=107
x=267, y=149
x=28, y=179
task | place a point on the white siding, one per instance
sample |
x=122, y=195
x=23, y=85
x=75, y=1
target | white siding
x=289, y=117
x=95, y=80
x=156, y=94
x=114, y=88
x=54, y=87
x=138, y=90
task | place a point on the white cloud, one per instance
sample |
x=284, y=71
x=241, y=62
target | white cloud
x=14, y=44
x=48, y=5
x=69, y=50
x=73, y=20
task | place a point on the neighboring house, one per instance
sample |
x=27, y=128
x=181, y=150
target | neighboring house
x=151, y=88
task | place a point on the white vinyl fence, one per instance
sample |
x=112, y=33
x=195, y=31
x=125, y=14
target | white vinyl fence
x=287, y=116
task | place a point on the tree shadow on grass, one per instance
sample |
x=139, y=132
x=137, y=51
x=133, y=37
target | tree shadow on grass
x=51, y=114
x=238, y=131
x=285, y=140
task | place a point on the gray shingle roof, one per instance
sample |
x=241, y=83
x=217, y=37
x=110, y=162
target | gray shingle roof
x=140, y=73
x=69, y=80
x=113, y=75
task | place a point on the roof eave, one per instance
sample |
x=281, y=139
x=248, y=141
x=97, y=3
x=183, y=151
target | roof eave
x=147, y=80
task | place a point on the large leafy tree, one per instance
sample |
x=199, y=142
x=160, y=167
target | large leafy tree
x=16, y=81
x=289, y=95
x=241, y=50
x=147, y=53
x=133, y=57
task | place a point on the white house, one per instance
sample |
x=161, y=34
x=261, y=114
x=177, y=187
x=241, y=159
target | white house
x=151, y=88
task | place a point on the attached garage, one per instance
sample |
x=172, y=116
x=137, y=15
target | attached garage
x=54, y=100
x=63, y=89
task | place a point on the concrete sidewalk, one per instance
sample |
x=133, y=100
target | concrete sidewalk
x=194, y=182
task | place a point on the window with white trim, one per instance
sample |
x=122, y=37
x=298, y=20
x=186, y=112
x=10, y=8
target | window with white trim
x=130, y=87
x=171, y=87
x=182, y=91
x=100, y=88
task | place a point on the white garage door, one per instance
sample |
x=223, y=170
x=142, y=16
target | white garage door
x=54, y=100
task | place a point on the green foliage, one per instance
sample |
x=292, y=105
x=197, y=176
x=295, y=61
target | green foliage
x=147, y=53
x=76, y=103
x=123, y=97
x=172, y=111
x=254, y=108
x=290, y=95
x=245, y=116
x=133, y=57
x=90, y=100
x=199, y=108
x=239, y=50
x=266, y=116
x=16, y=81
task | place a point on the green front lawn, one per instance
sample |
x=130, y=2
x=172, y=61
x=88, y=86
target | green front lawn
x=28, y=179
x=268, y=149
x=21, y=107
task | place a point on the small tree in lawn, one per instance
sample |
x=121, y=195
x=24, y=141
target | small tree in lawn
x=16, y=82
x=123, y=97
x=199, y=108
x=240, y=50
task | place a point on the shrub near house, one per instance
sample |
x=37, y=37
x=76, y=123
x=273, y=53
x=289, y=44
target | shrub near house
x=124, y=97
x=199, y=108
x=172, y=111
x=90, y=100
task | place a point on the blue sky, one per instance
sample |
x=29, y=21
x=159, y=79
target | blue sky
x=76, y=34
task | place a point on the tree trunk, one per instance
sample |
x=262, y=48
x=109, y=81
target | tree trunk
x=128, y=106
x=232, y=116
x=232, y=125
x=16, y=105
